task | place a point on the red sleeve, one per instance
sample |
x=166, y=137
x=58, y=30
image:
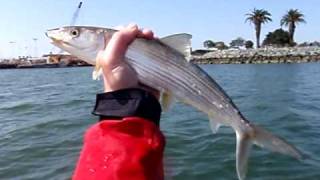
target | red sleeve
x=129, y=149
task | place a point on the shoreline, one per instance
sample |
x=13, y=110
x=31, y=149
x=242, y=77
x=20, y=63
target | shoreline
x=35, y=66
x=47, y=61
x=257, y=56
x=267, y=55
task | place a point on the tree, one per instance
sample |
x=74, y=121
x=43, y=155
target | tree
x=306, y=44
x=248, y=44
x=258, y=17
x=315, y=43
x=209, y=44
x=221, y=45
x=290, y=19
x=237, y=42
x=279, y=37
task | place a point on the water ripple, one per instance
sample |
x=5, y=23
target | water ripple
x=43, y=118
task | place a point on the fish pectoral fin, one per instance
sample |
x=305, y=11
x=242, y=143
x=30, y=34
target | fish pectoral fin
x=214, y=125
x=180, y=42
x=97, y=72
x=244, y=145
x=167, y=100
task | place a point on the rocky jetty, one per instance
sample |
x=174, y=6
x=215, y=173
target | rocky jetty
x=257, y=56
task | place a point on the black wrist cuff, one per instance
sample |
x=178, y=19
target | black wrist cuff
x=128, y=102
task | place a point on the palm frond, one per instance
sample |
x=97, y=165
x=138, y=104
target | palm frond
x=259, y=16
x=292, y=16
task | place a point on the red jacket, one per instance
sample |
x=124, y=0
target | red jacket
x=127, y=149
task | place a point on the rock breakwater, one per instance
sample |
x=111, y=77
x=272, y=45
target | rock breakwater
x=258, y=56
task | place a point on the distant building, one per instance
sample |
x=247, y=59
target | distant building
x=64, y=60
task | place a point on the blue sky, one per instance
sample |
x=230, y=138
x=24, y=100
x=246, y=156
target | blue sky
x=219, y=20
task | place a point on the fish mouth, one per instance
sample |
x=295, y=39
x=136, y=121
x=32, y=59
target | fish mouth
x=54, y=34
x=53, y=39
x=48, y=35
x=56, y=42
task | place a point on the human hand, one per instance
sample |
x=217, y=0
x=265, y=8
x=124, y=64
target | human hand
x=117, y=73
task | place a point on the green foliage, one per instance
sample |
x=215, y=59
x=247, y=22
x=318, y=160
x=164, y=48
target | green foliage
x=220, y=45
x=292, y=16
x=258, y=17
x=209, y=44
x=279, y=37
x=237, y=42
x=249, y=44
x=307, y=44
x=291, y=19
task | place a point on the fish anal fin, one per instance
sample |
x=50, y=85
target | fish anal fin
x=214, y=125
x=167, y=99
x=180, y=42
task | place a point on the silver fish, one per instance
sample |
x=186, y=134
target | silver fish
x=163, y=65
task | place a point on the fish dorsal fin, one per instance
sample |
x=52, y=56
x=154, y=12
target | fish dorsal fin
x=167, y=99
x=180, y=42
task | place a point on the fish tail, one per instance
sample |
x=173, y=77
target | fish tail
x=262, y=138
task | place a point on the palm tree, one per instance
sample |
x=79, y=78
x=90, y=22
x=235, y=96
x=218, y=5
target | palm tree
x=258, y=17
x=290, y=19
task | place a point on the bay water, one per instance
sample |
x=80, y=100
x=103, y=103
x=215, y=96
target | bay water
x=45, y=112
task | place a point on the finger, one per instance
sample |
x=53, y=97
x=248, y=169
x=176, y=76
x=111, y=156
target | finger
x=146, y=33
x=118, y=44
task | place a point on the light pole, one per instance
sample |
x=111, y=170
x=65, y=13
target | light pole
x=35, y=47
x=12, y=44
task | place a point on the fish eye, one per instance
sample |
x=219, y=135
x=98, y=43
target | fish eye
x=74, y=32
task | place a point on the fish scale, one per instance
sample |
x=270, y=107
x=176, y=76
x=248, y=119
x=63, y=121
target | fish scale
x=183, y=78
